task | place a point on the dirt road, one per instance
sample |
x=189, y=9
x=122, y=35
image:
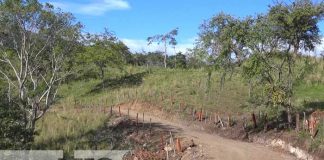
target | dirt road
x=219, y=148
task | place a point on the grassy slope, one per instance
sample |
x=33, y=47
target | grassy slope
x=60, y=129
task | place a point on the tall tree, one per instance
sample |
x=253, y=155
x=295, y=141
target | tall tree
x=104, y=50
x=177, y=61
x=296, y=27
x=267, y=46
x=167, y=38
x=223, y=37
x=35, y=42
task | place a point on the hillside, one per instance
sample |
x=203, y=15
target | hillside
x=168, y=89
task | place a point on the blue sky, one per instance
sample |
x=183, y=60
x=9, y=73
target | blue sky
x=135, y=20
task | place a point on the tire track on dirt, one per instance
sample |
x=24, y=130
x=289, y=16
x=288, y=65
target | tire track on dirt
x=217, y=147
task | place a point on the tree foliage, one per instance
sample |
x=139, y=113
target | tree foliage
x=268, y=46
x=103, y=50
x=167, y=38
x=36, y=42
x=177, y=61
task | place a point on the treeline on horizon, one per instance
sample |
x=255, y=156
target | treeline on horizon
x=42, y=47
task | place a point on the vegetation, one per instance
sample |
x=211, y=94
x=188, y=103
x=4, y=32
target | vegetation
x=57, y=84
x=167, y=38
x=36, y=42
x=268, y=46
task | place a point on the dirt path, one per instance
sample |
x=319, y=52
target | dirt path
x=216, y=147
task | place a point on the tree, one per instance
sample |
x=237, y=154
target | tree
x=138, y=59
x=36, y=41
x=296, y=27
x=155, y=58
x=104, y=50
x=167, y=38
x=197, y=57
x=177, y=61
x=223, y=37
x=267, y=46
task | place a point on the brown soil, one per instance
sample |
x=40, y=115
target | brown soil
x=211, y=146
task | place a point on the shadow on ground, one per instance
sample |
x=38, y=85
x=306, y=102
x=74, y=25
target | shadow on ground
x=315, y=105
x=123, y=136
x=118, y=82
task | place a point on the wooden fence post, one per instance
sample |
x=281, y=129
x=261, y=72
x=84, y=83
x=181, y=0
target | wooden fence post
x=110, y=110
x=304, y=122
x=200, y=114
x=220, y=120
x=178, y=146
x=297, y=122
x=150, y=125
x=128, y=111
x=193, y=114
x=143, y=119
x=265, y=129
x=211, y=117
x=136, y=120
x=244, y=122
x=254, y=120
x=206, y=117
x=179, y=108
x=162, y=142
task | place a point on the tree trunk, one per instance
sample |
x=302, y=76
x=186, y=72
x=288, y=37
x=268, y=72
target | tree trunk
x=102, y=76
x=250, y=88
x=102, y=73
x=289, y=116
x=254, y=120
x=30, y=119
x=165, y=55
x=290, y=86
x=297, y=122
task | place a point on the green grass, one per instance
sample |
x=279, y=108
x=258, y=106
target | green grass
x=166, y=88
x=310, y=92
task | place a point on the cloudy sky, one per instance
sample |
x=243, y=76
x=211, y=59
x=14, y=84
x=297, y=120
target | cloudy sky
x=135, y=20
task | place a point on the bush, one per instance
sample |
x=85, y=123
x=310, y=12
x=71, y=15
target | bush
x=13, y=134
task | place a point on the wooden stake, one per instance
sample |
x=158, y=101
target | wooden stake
x=265, y=129
x=221, y=122
x=193, y=114
x=136, y=120
x=128, y=112
x=167, y=151
x=143, y=119
x=172, y=143
x=150, y=125
x=200, y=114
x=110, y=110
x=254, y=120
x=244, y=122
x=297, y=122
x=211, y=118
x=206, y=118
x=178, y=146
x=119, y=111
x=179, y=108
x=162, y=142
x=304, y=122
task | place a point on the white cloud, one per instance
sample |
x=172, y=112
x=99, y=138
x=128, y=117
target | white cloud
x=139, y=45
x=92, y=8
x=317, y=51
x=319, y=48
